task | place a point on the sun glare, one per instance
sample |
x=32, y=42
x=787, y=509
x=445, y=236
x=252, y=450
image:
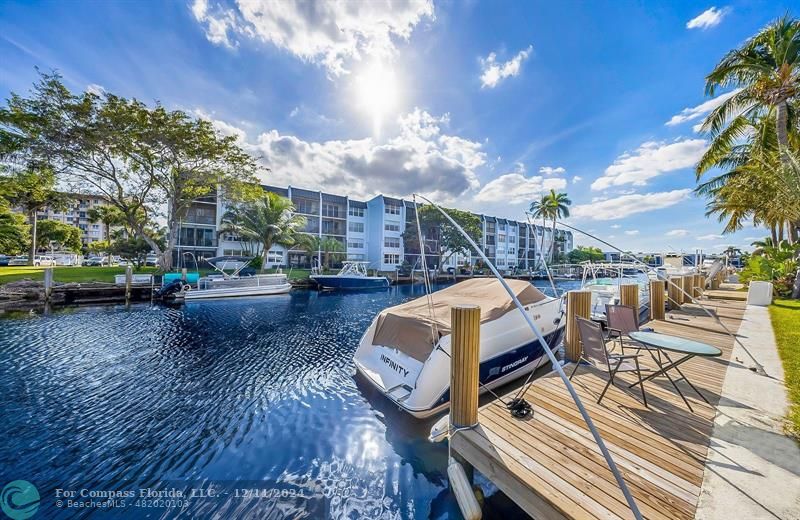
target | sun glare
x=377, y=93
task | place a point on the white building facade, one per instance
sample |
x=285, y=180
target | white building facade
x=370, y=231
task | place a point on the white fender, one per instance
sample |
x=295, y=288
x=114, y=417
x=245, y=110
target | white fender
x=462, y=490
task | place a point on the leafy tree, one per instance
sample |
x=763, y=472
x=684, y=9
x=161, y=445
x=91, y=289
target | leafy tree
x=31, y=191
x=268, y=220
x=140, y=159
x=585, y=254
x=66, y=235
x=440, y=238
x=14, y=232
x=134, y=248
x=99, y=247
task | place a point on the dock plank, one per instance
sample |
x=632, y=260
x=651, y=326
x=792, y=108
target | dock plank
x=550, y=464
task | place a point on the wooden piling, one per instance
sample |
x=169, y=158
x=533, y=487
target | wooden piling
x=699, y=281
x=629, y=295
x=48, y=283
x=674, y=292
x=579, y=304
x=128, y=282
x=688, y=284
x=657, y=288
x=464, y=361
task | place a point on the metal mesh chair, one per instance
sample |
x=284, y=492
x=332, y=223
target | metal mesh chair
x=593, y=345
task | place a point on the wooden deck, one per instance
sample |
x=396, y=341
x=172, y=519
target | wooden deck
x=550, y=464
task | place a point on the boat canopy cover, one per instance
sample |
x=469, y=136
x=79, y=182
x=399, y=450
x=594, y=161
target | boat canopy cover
x=408, y=327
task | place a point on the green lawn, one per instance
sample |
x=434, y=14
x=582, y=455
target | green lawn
x=66, y=274
x=295, y=274
x=785, y=316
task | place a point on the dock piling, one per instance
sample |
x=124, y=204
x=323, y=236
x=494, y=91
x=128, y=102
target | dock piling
x=579, y=304
x=48, y=283
x=464, y=361
x=699, y=283
x=128, y=282
x=674, y=292
x=629, y=295
x=688, y=293
x=657, y=299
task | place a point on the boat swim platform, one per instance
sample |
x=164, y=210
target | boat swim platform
x=549, y=463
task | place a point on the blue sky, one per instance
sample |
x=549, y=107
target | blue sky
x=480, y=105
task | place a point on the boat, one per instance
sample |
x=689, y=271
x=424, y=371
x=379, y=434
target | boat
x=242, y=282
x=405, y=352
x=603, y=280
x=353, y=275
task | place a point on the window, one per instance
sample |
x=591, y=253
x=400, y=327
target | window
x=391, y=242
x=512, y=251
x=391, y=209
x=392, y=227
x=331, y=210
x=231, y=252
x=95, y=226
x=231, y=237
x=356, y=258
x=307, y=206
x=356, y=227
x=275, y=257
x=356, y=212
x=356, y=243
x=391, y=259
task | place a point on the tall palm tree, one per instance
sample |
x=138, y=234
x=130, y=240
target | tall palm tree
x=558, y=207
x=766, y=72
x=328, y=248
x=268, y=220
x=540, y=209
x=109, y=216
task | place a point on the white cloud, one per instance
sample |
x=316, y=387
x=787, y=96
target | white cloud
x=576, y=179
x=650, y=160
x=711, y=17
x=515, y=188
x=689, y=114
x=710, y=237
x=492, y=72
x=222, y=127
x=421, y=158
x=330, y=33
x=627, y=205
x=677, y=233
x=632, y=232
x=549, y=170
x=615, y=226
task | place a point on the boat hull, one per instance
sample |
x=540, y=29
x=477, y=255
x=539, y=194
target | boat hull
x=334, y=282
x=508, y=350
x=231, y=292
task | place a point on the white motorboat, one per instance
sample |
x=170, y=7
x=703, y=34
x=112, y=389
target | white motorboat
x=405, y=352
x=224, y=285
x=603, y=279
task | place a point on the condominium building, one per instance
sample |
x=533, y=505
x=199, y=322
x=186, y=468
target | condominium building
x=370, y=231
x=76, y=213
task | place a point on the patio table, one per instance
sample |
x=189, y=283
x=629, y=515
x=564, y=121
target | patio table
x=665, y=344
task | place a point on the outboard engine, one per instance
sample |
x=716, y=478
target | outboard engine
x=171, y=289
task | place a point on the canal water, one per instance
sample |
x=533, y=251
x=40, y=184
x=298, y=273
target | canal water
x=237, y=408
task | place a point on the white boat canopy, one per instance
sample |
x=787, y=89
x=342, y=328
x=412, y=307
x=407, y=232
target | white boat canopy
x=410, y=329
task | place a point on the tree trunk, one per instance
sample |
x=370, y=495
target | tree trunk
x=32, y=221
x=774, y=233
x=796, y=287
x=782, y=131
x=541, y=248
x=780, y=231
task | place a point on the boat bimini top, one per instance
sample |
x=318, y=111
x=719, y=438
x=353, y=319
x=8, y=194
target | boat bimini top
x=409, y=327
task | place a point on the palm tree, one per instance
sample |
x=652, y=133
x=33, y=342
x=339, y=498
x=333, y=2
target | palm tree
x=108, y=215
x=268, y=220
x=766, y=70
x=540, y=209
x=328, y=248
x=558, y=207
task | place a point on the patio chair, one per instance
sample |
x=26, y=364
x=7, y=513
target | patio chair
x=622, y=320
x=593, y=344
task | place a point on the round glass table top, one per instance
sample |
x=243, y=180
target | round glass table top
x=675, y=344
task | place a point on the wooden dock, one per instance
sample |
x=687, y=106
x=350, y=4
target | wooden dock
x=550, y=465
